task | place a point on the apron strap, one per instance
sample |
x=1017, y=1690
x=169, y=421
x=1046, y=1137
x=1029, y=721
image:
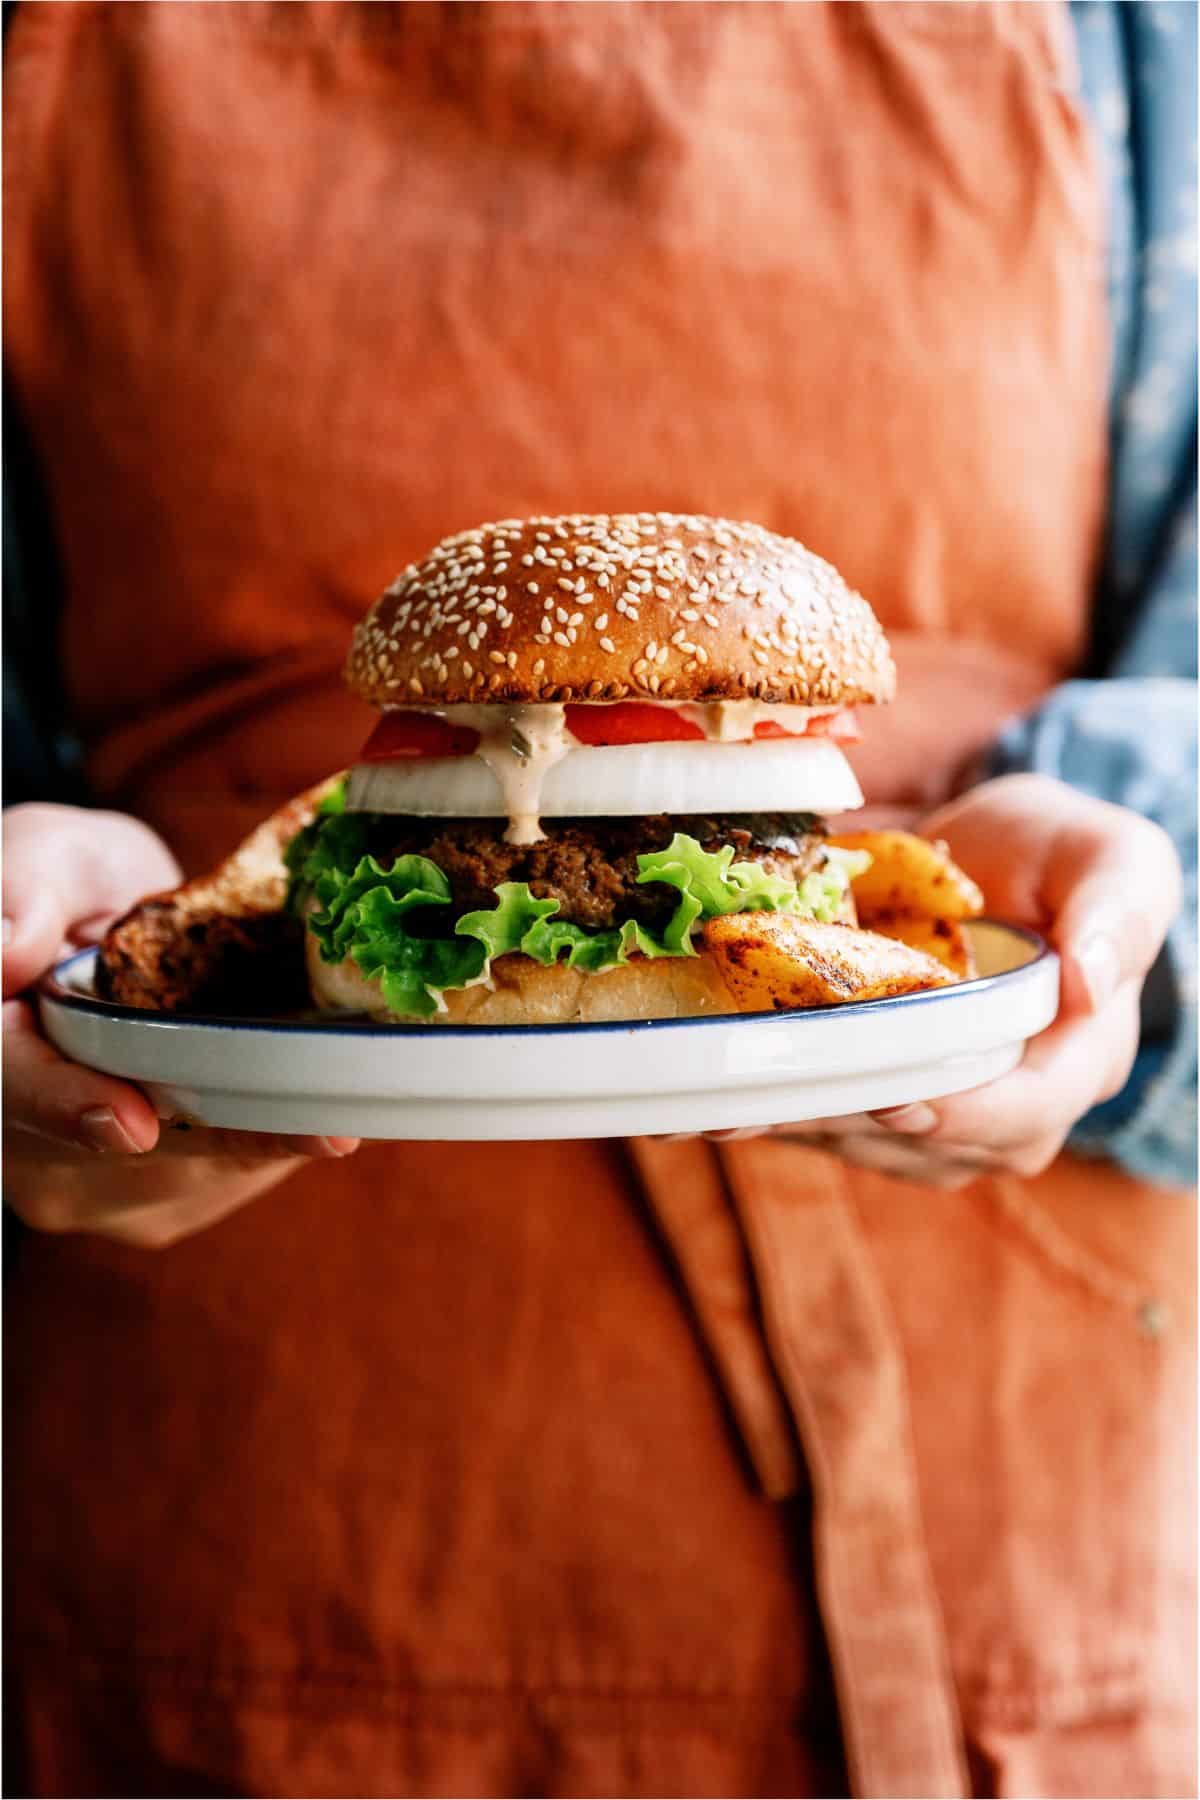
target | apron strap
x=686, y=1191
x=838, y=1359
x=794, y=1316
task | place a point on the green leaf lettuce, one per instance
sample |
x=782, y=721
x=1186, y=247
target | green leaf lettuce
x=392, y=924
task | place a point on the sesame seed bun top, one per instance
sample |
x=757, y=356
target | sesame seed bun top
x=622, y=606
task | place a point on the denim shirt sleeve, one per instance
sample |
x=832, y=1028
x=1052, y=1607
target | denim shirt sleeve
x=1128, y=734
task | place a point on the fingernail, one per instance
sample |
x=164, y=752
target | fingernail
x=101, y=1128
x=334, y=1146
x=1100, y=965
x=8, y=929
x=913, y=1120
x=91, y=930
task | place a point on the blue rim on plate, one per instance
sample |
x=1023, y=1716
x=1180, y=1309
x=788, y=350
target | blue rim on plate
x=53, y=986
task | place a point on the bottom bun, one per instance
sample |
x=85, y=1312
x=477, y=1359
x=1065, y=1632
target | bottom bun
x=523, y=992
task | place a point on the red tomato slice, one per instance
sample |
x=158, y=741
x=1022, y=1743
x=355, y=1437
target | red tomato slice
x=411, y=733
x=628, y=722
x=417, y=734
x=840, y=725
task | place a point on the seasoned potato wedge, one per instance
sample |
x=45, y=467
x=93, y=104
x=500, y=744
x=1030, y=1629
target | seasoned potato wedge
x=775, y=962
x=909, y=874
x=943, y=938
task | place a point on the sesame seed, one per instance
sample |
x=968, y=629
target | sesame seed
x=809, y=624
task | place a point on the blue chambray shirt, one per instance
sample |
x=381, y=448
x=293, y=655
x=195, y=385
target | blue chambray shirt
x=1128, y=734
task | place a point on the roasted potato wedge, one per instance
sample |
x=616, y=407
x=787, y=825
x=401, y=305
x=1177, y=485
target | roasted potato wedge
x=222, y=943
x=909, y=874
x=943, y=938
x=775, y=962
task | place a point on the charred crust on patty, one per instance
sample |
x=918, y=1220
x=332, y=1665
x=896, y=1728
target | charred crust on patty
x=590, y=866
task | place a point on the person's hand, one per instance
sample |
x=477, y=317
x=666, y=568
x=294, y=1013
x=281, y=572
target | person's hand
x=84, y=1151
x=1102, y=884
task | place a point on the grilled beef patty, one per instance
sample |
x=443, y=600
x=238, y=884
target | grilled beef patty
x=590, y=865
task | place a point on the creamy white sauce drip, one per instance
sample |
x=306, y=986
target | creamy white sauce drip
x=733, y=721
x=520, y=744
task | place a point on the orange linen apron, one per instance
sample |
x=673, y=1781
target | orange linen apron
x=577, y=1468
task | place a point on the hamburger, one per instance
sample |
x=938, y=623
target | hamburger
x=597, y=791
x=598, y=734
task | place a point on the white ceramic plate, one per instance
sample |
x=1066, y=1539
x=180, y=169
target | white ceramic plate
x=567, y=1081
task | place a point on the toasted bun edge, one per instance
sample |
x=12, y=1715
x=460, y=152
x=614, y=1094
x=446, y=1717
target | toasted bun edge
x=606, y=607
x=524, y=992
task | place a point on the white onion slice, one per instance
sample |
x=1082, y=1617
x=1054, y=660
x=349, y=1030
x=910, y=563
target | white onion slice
x=623, y=780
